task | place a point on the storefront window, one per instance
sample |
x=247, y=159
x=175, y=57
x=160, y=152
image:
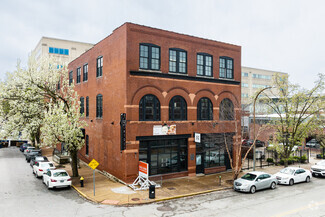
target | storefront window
x=164, y=156
x=213, y=148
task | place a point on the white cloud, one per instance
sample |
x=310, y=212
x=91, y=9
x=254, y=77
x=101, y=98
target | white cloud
x=276, y=35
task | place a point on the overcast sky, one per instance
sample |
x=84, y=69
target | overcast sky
x=278, y=35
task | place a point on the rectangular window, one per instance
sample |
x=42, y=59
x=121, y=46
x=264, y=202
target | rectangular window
x=177, y=61
x=87, y=145
x=259, y=76
x=204, y=64
x=99, y=106
x=78, y=75
x=59, y=85
x=61, y=51
x=87, y=106
x=226, y=68
x=149, y=57
x=85, y=72
x=244, y=84
x=70, y=77
x=244, y=74
x=82, y=105
x=99, y=71
x=260, y=86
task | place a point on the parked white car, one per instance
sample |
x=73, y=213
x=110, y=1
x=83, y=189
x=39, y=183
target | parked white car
x=28, y=149
x=42, y=167
x=291, y=175
x=56, y=179
x=318, y=169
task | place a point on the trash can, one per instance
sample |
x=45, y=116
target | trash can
x=152, y=191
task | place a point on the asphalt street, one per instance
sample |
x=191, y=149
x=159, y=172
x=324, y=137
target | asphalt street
x=21, y=194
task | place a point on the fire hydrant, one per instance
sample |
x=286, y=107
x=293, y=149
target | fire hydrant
x=81, y=181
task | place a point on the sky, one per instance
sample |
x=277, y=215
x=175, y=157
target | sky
x=278, y=35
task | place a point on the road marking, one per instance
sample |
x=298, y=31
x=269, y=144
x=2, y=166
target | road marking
x=300, y=209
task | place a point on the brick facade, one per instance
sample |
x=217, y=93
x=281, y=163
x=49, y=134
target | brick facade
x=123, y=84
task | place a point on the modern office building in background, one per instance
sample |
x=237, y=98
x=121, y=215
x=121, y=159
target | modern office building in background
x=61, y=49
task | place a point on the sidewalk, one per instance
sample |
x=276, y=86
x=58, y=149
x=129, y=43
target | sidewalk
x=115, y=193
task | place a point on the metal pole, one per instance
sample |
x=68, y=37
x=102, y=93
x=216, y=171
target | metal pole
x=254, y=148
x=94, y=180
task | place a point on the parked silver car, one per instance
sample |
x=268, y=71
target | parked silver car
x=253, y=181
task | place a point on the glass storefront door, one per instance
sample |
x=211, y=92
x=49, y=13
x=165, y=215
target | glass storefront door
x=164, y=156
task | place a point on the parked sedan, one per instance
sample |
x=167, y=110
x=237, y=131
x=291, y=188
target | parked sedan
x=35, y=159
x=56, y=179
x=318, y=169
x=23, y=147
x=291, y=175
x=42, y=167
x=28, y=149
x=34, y=152
x=253, y=181
x=249, y=142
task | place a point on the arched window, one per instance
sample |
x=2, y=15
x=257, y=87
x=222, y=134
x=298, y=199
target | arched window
x=99, y=106
x=177, y=108
x=226, y=110
x=204, y=109
x=149, y=108
x=82, y=105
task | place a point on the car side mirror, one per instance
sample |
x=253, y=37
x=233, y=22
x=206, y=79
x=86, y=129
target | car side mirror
x=258, y=180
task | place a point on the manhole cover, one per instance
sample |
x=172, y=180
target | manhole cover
x=171, y=188
x=135, y=199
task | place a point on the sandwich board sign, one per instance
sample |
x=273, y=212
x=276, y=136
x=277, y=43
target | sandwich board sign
x=143, y=169
x=143, y=179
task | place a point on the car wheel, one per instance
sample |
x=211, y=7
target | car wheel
x=273, y=185
x=307, y=179
x=253, y=189
x=313, y=175
x=291, y=182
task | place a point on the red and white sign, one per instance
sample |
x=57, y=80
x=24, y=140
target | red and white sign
x=143, y=169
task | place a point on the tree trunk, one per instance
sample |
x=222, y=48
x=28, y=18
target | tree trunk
x=74, y=163
x=285, y=160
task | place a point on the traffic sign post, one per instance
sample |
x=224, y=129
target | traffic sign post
x=93, y=165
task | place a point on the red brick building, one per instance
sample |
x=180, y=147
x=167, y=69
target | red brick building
x=169, y=86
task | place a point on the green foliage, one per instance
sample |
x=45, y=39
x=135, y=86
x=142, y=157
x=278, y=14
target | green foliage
x=297, y=112
x=270, y=160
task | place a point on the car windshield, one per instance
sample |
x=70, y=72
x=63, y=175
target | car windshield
x=287, y=171
x=249, y=177
x=60, y=174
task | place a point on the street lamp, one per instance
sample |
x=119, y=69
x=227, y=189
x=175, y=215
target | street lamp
x=254, y=141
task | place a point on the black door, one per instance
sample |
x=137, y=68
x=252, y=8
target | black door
x=199, y=162
x=227, y=160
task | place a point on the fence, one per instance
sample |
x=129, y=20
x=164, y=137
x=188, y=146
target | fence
x=265, y=157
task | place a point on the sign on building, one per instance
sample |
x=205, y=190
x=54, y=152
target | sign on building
x=159, y=130
x=197, y=137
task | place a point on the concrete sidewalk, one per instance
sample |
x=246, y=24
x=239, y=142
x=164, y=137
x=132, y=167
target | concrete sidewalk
x=108, y=191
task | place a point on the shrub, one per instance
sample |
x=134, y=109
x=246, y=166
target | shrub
x=303, y=159
x=269, y=160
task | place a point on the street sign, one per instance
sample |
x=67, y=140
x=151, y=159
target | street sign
x=143, y=169
x=93, y=164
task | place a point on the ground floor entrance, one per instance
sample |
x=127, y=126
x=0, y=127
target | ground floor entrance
x=165, y=154
x=211, y=151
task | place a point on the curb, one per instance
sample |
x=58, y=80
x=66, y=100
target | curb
x=82, y=194
x=192, y=194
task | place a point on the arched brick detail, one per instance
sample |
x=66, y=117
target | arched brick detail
x=148, y=90
x=178, y=92
x=205, y=93
x=229, y=95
